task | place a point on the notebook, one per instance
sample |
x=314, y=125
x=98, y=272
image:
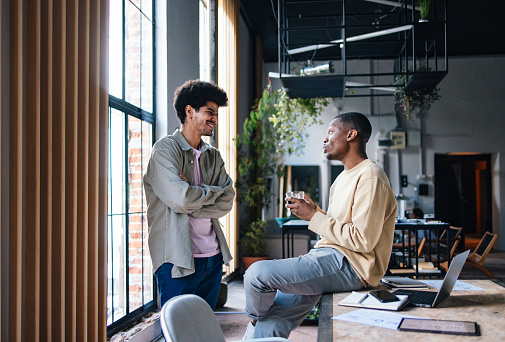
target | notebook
x=432, y=299
x=402, y=282
x=365, y=300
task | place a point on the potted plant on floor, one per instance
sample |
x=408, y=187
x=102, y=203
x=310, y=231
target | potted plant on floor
x=254, y=242
x=276, y=125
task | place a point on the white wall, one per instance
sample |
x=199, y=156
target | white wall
x=469, y=117
x=178, y=59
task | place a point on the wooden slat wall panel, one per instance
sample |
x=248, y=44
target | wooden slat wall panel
x=103, y=125
x=1, y=167
x=93, y=200
x=57, y=170
x=58, y=262
x=82, y=170
x=46, y=144
x=71, y=104
x=31, y=259
x=15, y=169
x=227, y=71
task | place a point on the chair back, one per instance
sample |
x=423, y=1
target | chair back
x=454, y=232
x=189, y=318
x=484, y=247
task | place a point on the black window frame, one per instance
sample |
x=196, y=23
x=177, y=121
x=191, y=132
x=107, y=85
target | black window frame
x=131, y=110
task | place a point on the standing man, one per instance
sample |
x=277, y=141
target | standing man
x=355, y=245
x=187, y=190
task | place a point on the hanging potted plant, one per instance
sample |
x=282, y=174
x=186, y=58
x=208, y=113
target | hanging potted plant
x=276, y=125
x=418, y=100
x=424, y=8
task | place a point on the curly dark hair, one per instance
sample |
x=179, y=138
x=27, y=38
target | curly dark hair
x=357, y=121
x=197, y=93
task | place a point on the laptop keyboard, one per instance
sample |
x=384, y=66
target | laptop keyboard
x=418, y=297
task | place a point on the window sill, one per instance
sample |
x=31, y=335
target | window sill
x=147, y=330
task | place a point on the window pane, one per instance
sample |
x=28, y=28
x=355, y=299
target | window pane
x=117, y=182
x=147, y=144
x=135, y=255
x=135, y=165
x=132, y=54
x=147, y=8
x=204, y=43
x=146, y=60
x=140, y=270
x=116, y=48
x=116, y=277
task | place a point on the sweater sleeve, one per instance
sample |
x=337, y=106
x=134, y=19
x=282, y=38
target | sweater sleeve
x=368, y=212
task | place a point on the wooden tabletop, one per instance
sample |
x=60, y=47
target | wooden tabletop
x=487, y=308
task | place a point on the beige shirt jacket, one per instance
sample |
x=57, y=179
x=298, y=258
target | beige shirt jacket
x=360, y=221
x=170, y=200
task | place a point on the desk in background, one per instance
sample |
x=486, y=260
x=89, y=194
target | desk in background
x=288, y=233
x=487, y=308
x=429, y=229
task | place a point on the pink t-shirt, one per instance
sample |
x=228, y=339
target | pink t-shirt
x=203, y=237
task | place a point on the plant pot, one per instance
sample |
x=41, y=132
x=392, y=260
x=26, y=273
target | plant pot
x=424, y=20
x=248, y=261
x=223, y=295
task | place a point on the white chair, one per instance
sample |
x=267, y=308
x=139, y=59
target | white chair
x=189, y=318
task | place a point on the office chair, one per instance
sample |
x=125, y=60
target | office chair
x=476, y=259
x=189, y=318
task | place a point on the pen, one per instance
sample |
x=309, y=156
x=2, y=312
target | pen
x=362, y=299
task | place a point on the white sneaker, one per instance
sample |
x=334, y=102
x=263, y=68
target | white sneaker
x=249, y=333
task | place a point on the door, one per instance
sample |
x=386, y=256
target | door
x=463, y=192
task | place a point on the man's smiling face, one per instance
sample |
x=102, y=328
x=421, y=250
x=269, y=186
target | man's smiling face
x=205, y=119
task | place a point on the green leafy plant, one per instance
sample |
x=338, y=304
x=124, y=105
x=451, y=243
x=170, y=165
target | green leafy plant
x=424, y=7
x=254, y=240
x=276, y=125
x=419, y=100
x=292, y=118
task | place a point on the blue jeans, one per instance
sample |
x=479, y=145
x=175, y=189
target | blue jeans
x=205, y=282
x=280, y=293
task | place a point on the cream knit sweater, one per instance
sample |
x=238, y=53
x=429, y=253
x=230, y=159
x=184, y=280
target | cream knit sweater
x=360, y=221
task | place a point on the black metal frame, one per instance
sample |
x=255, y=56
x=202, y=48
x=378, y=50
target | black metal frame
x=422, y=42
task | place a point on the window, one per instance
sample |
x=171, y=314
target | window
x=204, y=31
x=130, y=284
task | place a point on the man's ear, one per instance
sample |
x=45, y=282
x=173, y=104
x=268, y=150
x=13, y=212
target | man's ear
x=352, y=134
x=189, y=111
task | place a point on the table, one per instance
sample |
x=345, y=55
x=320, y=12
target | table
x=288, y=229
x=428, y=227
x=484, y=307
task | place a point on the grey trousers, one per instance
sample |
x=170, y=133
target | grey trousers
x=280, y=293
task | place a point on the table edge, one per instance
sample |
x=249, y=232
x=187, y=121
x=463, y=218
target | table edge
x=325, y=326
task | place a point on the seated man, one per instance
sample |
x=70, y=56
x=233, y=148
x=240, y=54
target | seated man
x=355, y=245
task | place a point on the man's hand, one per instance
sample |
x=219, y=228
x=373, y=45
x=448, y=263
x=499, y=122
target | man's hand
x=182, y=177
x=303, y=208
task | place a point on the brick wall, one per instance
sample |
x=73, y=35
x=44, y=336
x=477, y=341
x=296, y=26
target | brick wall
x=140, y=269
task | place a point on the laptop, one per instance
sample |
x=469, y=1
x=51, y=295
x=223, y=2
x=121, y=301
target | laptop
x=431, y=299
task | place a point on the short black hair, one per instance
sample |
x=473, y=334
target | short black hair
x=357, y=121
x=197, y=93
x=418, y=213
